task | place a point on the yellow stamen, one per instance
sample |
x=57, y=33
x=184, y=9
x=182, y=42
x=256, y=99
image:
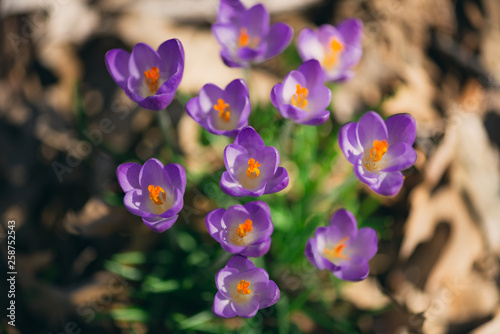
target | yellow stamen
x=244, y=228
x=253, y=168
x=299, y=99
x=332, y=53
x=157, y=194
x=224, y=110
x=243, y=287
x=378, y=150
x=244, y=39
x=152, y=79
x=336, y=251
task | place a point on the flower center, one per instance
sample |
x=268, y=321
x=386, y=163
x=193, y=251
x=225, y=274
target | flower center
x=336, y=251
x=253, y=168
x=245, y=40
x=375, y=154
x=243, y=287
x=299, y=99
x=224, y=110
x=152, y=79
x=244, y=228
x=332, y=53
x=157, y=194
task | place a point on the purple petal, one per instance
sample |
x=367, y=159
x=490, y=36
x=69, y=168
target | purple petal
x=177, y=175
x=357, y=269
x=346, y=224
x=159, y=224
x=152, y=173
x=143, y=58
x=349, y=143
x=364, y=175
x=278, y=182
x=275, y=94
x=235, y=215
x=246, y=55
x=256, y=20
x=231, y=187
x=225, y=279
x=133, y=202
x=229, y=11
x=401, y=128
x=313, y=73
x=258, y=249
x=247, y=309
x=128, y=176
x=371, y=127
x=278, y=39
x=312, y=254
x=176, y=206
x=390, y=184
x=249, y=138
x=318, y=119
x=365, y=244
x=398, y=157
x=222, y=307
x=261, y=214
x=309, y=46
x=213, y=222
x=209, y=94
x=230, y=247
x=270, y=295
x=226, y=35
x=171, y=53
x=193, y=109
x=228, y=59
x=235, y=156
x=239, y=263
x=352, y=33
x=117, y=62
x=153, y=102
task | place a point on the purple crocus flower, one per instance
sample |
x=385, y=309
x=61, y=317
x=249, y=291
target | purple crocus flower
x=302, y=96
x=336, y=48
x=380, y=150
x=242, y=229
x=252, y=167
x=153, y=191
x=148, y=77
x=246, y=36
x=221, y=112
x=341, y=248
x=243, y=289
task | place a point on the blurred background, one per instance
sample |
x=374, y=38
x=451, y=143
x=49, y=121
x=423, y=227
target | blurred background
x=86, y=265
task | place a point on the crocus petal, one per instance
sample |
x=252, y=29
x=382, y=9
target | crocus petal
x=226, y=35
x=225, y=279
x=313, y=73
x=176, y=206
x=247, y=309
x=222, y=307
x=194, y=110
x=364, y=175
x=356, y=270
x=249, y=139
x=152, y=173
x=231, y=187
x=398, y=157
x=143, y=58
x=256, y=20
x=346, y=224
x=390, y=183
x=371, y=127
x=213, y=222
x=117, y=62
x=401, y=128
x=177, y=175
x=234, y=155
x=309, y=46
x=348, y=142
x=261, y=214
x=318, y=119
x=352, y=33
x=240, y=263
x=234, y=215
x=132, y=201
x=229, y=11
x=365, y=244
x=128, y=176
x=312, y=254
x=278, y=39
x=270, y=295
x=153, y=102
x=279, y=181
x=246, y=55
x=171, y=53
x=259, y=249
x=159, y=224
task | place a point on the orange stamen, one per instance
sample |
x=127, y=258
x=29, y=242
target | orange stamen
x=253, y=168
x=224, y=110
x=332, y=53
x=243, y=287
x=157, y=194
x=244, y=228
x=299, y=99
x=378, y=150
x=336, y=251
x=244, y=39
x=152, y=79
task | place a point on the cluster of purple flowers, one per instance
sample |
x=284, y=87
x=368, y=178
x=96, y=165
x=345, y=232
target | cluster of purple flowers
x=378, y=149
